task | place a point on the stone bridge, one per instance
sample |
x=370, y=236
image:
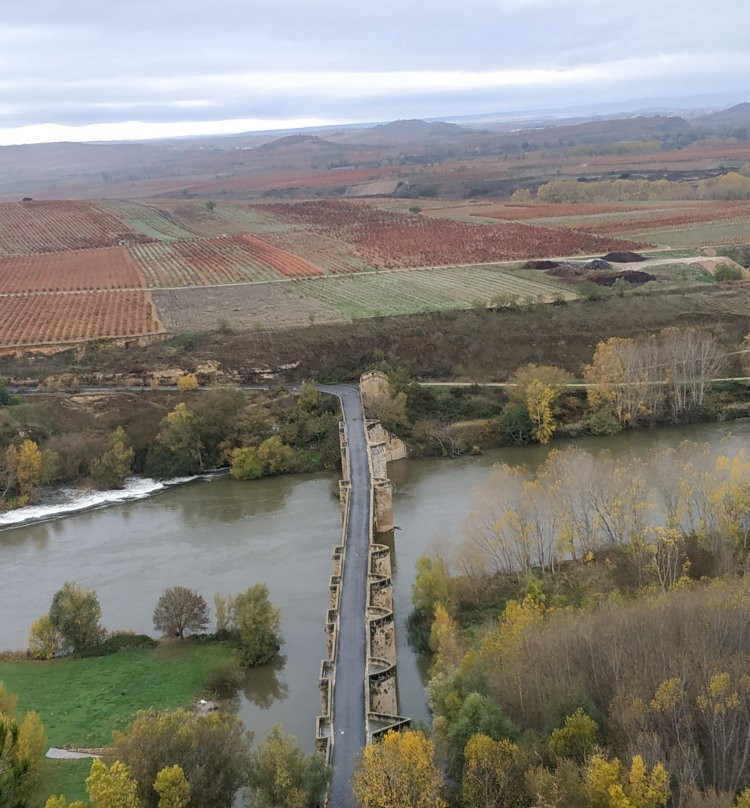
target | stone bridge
x=358, y=689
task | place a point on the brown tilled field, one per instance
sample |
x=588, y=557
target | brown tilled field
x=263, y=306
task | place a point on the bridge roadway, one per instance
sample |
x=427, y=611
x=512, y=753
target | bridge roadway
x=349, y=718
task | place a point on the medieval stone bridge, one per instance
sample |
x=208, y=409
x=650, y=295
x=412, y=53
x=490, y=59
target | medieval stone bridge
x=359, y=697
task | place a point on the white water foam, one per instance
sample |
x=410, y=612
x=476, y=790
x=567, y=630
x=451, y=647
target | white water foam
x=135, y=488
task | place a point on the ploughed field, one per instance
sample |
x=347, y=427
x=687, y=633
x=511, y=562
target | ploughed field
x=77, y=271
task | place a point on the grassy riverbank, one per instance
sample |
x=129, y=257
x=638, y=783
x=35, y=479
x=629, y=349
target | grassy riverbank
x=83, y=700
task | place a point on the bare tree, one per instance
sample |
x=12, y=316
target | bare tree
x=692, y=359
x=179, y=610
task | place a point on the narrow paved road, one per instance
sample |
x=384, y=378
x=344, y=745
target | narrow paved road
x=349, y=693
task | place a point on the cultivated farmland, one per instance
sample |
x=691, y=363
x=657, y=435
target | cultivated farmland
x=379, y=294
x=392, y=240
x=34, y=227
x=40, y=319
x=209, y=262
x=108, y=268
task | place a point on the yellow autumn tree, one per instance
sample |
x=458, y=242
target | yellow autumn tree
x=445, y=642
x=188, y=381
x=111, y=787
x=539, y=398
x=537, y=387
x=607, y=786
x=24, y=468
x=172, y=787
x=44, y=638
x=399, y=772
x=491, y=777
x=32, y=741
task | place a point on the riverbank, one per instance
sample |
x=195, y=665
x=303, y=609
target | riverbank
x=82, y=701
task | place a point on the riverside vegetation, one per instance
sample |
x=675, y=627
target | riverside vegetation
x=151, y=760
x=588, y=641
x=47, y=442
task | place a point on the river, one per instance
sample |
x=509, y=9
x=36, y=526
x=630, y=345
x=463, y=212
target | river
x=223, y=535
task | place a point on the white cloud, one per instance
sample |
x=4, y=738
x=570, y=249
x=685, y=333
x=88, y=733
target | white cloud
x=138, y=130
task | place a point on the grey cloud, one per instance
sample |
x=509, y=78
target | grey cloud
x=87, y=62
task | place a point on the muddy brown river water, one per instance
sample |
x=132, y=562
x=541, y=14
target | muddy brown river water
x=223, y=535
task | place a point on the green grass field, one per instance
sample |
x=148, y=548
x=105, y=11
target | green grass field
x=380, y=294
x=82, y=701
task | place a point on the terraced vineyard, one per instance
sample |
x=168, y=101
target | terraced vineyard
x=382, y=294
x=208, y=262
x=66, y=317
x=110, y=268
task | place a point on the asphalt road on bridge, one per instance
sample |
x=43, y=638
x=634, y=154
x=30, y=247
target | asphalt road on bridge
x=349, y=718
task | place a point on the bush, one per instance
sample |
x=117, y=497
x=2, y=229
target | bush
x=515, y=424
x=225, y=679
x=727, y=272
x=603, y=422
x=125, y=640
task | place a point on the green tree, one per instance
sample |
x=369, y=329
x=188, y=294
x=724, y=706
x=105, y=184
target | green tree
x=283, y=776
x=75, y=614
x=431, y=586
x=116, y=464
x=245, y=463
x=178, y=449
x=257, y=625
x=277, y=458
x=479, y=715
x=576, y=739
x=212, y=749
x=179, y=610
x=210, y=206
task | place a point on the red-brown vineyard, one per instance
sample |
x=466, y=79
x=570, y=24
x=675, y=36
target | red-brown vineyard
x=395, y=240
x=73, y=270
x=209, y=262
x=67, y=317
x=36, y=227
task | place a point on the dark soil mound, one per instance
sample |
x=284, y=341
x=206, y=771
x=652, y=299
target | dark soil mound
x=598, y=264
x=624, y=257
x=634, y=277
x=541, y=265
x=566, y=271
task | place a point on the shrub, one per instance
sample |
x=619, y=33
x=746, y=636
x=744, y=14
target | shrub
x=125, y=640
x=727, y=272
x=602, y=421
x=188, y=381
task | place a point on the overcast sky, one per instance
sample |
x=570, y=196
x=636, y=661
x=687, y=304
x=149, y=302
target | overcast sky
x=96, y=70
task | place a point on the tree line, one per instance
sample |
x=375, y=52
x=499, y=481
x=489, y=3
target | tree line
x=732, y=185
x=254, y=435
